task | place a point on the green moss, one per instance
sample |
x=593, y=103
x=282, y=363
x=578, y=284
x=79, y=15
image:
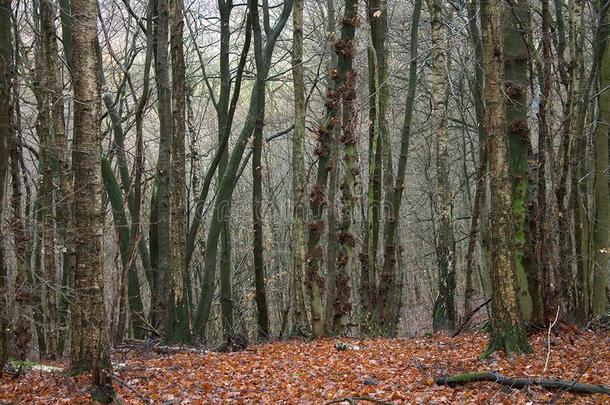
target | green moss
x=508, y=338
x=467, y=377
x=102, y=395
x=21, y=364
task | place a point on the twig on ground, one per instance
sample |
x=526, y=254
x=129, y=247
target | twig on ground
x=130, y=388
x=548, y=342
x=352, y=400
x=519, y=383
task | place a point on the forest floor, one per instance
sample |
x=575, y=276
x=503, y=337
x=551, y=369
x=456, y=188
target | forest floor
x=316, y=372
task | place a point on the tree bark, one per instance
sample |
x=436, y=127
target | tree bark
x=89, y=331
x=47, y=145
x=386, y=308
x=297, y=270
x=178, y=328
x=601, y=225
x=262, y=315
x=163, y=176
x=377, y=14
x=5, y=101
x=443, y=316
x=507, y=332
x=346, y=48
x=515, y=84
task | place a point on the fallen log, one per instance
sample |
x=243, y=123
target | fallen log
x=522, y=382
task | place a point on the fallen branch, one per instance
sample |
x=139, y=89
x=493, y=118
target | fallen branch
x=550, y=384
x=352, y=400
x=124, y=384
x=469, y=317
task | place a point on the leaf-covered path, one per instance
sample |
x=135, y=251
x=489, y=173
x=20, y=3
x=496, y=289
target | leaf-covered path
x=391, y=370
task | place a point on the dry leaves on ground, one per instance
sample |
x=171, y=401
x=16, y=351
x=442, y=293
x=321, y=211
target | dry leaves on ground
x=300, y=372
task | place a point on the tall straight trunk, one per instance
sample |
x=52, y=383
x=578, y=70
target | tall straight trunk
x=224, y=124
x=262, y=314
x=178, y=325
x=601, y=225
x=297, y=270
x=61, y=166
x=472, y=235
x=346, y=48
x=5, y=137
x=507, y=332
x=538, y=289
x=43, y=129
x=318, y=201
x=386, y=307
x=378, y=98
x=333, y=173
x=479, y=211
x=515, y=82
x=22, y=288
x=89, y=331
x=572, y=109
x=443, y=316
x=162, y=271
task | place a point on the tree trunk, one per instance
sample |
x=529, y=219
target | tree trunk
x=346, y=48
x=601, y=225
x=386, y=308
x=43, y=129
x=333, y=173
x=163, y=177
x=318, y=201
x=257, y=212
x=178, y=328
x=444, y=306
x=5, y=102
x=22, y=290
x=297, y=270
x=507, y=332
x=378, y=98
x=89, y=332
x=515, y=84
x=227, y=184
x=538, y=287
x=61, y=166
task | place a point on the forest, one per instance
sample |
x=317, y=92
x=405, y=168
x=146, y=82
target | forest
x=304, y=201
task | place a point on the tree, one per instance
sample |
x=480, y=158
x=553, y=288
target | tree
x=507, y=332
x=444, y=306
x=297, y=272
x=262, y=314
x=386, y=310
x=346, y=48
x=89, y=350
x=377, y=14
x=163, y=177
x=5, y=101
x=47, y=146
x=516, y=61
x=178, y=324
x=601, y=225
x=227, y=184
